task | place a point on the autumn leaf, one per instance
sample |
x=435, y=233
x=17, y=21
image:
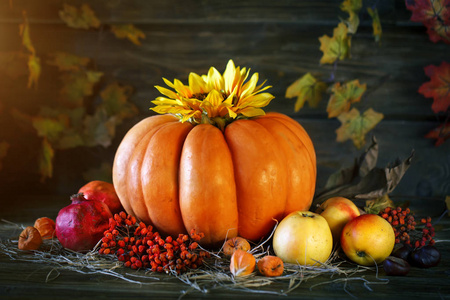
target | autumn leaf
x=24, y=30
x=352, y=7
x=77, y=85
x=438, y=87
x=365, y=181
x=306, y=88
x=343, y=96
x=46, y=160
x=80, y=18
x=434, y=15
x=115, y=101
x=336, y=47
x=376, y=24
x=34, y=68
x=68, y=62
x=440, y=134
x=4, y=146
x=34, y=64
x=99, y=129
x=355, y=126
x=128, y=31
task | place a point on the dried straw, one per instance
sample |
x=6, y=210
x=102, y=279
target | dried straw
x=213, y=275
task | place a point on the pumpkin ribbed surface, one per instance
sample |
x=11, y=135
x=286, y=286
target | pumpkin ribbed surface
x=178, y=177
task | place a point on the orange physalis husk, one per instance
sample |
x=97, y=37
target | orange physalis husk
x=46, y=227
x=30, y=239
x=270, y=266
x=233, y=244
x=242, y=263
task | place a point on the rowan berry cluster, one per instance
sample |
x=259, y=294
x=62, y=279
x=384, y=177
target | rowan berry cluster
x=139, y=247
x=404, y=225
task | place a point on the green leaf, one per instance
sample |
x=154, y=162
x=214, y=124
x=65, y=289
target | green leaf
x=306, y=88
x=68, y=62
x=343, y=96
x=4, y=146
x=78, y=85
x=80, y=18
x=115, y=101
x=376, y=24
x=48, y=128
x=336, y=47
x=355, y=126
x=46, y=160
x=99, y=129
x=363, y=180
x=128, y=31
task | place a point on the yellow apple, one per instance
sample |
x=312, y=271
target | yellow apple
x=304, y=238
x=338, y=211
x=368, y=239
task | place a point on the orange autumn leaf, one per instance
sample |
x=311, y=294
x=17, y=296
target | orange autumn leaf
x=80, y=18
x=336, y=47
x=342, y=96
x=128, y=31
x=440, y=133
x=306, y=88
x=438, y=87
x=355, y=126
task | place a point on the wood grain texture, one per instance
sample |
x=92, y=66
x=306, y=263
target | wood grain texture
x=277, y=39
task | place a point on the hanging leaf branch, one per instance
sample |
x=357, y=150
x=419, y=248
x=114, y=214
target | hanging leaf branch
x=85, y=18
x=343, y=95
x=88, y=109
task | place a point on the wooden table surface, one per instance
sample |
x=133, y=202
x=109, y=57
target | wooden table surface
x=20, y=279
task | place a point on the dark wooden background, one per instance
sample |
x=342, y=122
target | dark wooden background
x=277, y=39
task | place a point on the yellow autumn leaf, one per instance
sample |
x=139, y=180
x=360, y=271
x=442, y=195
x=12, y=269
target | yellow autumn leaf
x=34, y=68
x=306, y=88
x=376, y=24
x=46, y=160
x=352, y=7
x=336, y=47
x=80, y=18
x=67, y=61
x=342, y=96
x=24, y=30
x=447, y=203
x=128, y=31
x=355, y=126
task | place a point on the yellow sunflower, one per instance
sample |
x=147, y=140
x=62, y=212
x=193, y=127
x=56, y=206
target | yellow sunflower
x=214, y=98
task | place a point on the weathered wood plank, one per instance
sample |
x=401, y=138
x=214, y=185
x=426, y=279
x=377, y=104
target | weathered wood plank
x=144, y=12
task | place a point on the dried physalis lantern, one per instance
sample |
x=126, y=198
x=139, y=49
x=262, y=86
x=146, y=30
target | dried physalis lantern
x=30, y=239
x=46, y=227
x=234, y=244
x=242, y=263
x=270, y=266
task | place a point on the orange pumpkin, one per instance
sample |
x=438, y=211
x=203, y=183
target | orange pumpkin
x=224, y=176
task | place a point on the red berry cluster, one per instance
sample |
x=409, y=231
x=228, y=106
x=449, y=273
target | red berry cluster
x=404, y=225
x=138, y=246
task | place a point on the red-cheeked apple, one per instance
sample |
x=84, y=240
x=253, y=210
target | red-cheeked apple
x=338, y=211
x=304, y=238
x=368, y=239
